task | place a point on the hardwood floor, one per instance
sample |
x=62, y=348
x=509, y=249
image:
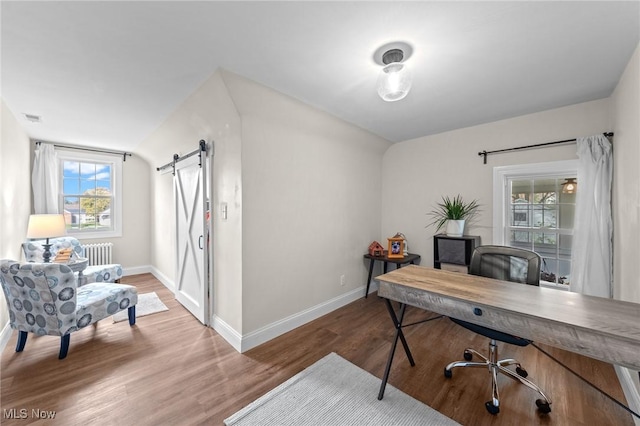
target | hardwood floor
x=169, y=369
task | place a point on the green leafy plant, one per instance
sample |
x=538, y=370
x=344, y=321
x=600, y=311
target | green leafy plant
x=453, y=209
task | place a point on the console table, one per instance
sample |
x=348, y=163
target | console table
x=410, y=258
x=605, y=329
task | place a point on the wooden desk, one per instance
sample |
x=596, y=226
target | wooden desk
x=605, y=329
x=399, y=261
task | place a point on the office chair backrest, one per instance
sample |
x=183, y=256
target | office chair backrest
x=506, y=263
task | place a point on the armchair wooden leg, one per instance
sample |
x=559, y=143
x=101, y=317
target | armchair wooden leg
x=132, y=314
x=22, y=340
x=64, y=346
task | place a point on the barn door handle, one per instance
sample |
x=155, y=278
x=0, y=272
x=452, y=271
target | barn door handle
x=200, y=242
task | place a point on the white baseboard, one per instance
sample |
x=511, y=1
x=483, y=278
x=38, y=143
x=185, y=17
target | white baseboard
x=135, y=270
x=631, y=388
x=271, y=331
x=227, y=332
x=168, y=283
x=5, y=335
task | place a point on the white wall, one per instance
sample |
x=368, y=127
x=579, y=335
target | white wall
x=311, y=189
x=626, y=182
x=15, y=202
x=207, y=114
x=417, y=173
x=626, y=202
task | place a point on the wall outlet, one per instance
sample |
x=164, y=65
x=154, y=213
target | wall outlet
x=343, y=279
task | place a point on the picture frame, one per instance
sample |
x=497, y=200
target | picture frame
x=396, y=248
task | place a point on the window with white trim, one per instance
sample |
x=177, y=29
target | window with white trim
x=91, y=193
x=534, y=211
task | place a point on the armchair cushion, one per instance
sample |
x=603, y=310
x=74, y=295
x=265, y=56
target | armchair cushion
x=101, y=274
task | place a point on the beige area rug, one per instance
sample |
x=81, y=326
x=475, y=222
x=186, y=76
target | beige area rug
x=335, y=392
x=148, y=303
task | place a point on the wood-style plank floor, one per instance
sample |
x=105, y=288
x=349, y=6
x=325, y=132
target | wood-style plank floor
x=169, y=369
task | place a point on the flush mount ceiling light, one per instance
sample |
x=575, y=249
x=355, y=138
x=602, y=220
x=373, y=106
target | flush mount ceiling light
x=394, y=81
x=570, y=186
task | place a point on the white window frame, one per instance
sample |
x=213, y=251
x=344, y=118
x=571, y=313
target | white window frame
x=501, y=177
x=116, y=208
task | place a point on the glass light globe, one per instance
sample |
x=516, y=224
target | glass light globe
x=394, y=82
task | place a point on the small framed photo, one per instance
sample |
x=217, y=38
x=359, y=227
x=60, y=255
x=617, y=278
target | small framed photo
x=396, y=248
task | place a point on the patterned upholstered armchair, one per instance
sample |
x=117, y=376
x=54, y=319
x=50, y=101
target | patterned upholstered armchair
x=43, y=298
x=92, y=274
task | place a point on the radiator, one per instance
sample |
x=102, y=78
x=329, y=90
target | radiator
x=98, y=253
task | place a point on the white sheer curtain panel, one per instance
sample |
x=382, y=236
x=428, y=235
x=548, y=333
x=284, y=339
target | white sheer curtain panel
x=44, y=180
x=591, y=263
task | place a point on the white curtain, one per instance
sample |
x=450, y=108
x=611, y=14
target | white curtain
x=591, y=265
x=44, y=180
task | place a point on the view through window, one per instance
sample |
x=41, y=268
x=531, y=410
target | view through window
x=88, y=195
x=541, y=219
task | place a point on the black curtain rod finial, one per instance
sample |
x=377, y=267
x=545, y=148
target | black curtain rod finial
x=485, y=155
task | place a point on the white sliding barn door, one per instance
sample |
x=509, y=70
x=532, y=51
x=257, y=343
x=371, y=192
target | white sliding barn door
x=192, y=249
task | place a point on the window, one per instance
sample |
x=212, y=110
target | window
x=532, y=212
x=91, y=194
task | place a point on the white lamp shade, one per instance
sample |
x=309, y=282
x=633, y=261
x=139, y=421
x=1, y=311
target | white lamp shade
x=394, y=82
x=46, y=226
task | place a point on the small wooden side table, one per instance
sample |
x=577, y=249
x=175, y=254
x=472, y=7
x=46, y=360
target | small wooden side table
x=410, y=258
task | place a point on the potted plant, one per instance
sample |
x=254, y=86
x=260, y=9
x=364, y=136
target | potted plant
x=453, y=213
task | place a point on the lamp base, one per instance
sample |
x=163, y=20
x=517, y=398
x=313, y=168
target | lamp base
x=46, y=256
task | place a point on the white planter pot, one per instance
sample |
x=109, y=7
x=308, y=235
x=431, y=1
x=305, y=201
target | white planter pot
x=455, y=228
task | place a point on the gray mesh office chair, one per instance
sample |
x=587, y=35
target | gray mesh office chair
x=507, y=264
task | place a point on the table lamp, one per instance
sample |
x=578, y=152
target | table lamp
x=46, y=226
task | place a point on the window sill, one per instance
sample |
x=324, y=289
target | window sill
x=94, y=235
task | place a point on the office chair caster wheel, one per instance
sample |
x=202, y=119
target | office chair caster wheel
x=492, y=409
x=543, y=406
x=448, y=373
x=468, y=356
x=521, y=372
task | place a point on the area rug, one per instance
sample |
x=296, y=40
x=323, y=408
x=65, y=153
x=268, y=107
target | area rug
x=335, y=392
x=148, y=303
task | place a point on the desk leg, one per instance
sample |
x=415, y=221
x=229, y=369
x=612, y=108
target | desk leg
x=399, y=335
x=371, y=263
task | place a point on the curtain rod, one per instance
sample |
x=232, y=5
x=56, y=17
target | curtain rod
x=83, y=148
x=517, y=148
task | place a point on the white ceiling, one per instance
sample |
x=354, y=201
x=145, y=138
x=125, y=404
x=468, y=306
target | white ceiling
x=108, y=73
